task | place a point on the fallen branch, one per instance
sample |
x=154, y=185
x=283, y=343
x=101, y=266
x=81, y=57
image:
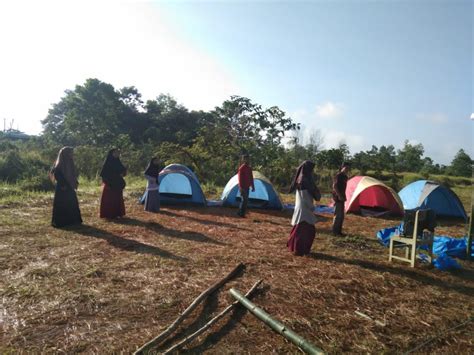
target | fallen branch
x=155, y=341
x=229, y=308
x=439, y=335
x=280, y=328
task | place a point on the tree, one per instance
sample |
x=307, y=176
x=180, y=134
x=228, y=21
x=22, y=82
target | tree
x=362, y=162
x=387, y=158
x=92, y=113
x=330, y=159
x=172, y=122
x=409, y=157
x=239, y=126
x=461, y=164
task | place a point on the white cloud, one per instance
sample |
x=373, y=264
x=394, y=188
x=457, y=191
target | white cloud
x=412, y=142
x=329, y=110
x=472, y=116
x=48, y=47
x=436, y=118
x=333, y=138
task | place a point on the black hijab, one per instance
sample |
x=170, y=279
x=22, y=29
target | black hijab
x=112, y=166
x=152, y=169
x=304, y=179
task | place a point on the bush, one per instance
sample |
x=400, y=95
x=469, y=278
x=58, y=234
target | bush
x=12, y=166
x=408, y=178
x=37, y=183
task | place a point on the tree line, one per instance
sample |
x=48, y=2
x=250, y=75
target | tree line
x=95, y=116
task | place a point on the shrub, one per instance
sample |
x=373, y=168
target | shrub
x=36, y=183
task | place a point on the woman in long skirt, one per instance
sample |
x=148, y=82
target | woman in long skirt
x=303, y=231
x=113, y=183
x=65, y=205
x=152, y=194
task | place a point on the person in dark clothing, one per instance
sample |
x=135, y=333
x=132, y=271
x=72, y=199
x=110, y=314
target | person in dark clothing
x=303, y=231
x=112, y=173
x=245, y=177
x=339, y=196
x=152, y=193
x=66, y=210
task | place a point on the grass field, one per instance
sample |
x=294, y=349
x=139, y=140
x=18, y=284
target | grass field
x=109, y=287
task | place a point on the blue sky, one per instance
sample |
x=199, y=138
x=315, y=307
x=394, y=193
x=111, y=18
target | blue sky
x=362, y=72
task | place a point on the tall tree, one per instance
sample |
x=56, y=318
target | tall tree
x=409, y=157
x=92, y=113
x=461, y=164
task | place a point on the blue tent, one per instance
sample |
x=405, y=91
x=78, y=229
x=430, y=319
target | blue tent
x=179, y=185
x=429, y=194
x=264, y=195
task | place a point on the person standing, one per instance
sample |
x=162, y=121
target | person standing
x=245, y=177
x=65, y=204
x=303, y=232
x=152, y=194
x=112, y=173
x=339, y=196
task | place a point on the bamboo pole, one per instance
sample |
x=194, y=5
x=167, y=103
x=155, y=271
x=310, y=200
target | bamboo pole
x=214, y=320
x=280, y=328
x=155, y=341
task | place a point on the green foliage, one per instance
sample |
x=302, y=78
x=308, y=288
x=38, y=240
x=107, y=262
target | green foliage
x=409, y=157
x=95, y=117
x=461, y=164
x=408, y=178
x=37, y=183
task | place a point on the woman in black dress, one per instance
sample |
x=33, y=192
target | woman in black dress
x=65, y=205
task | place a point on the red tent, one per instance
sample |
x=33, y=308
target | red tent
x=368, y=195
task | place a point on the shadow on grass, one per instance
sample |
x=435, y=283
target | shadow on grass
x=172, y=233
x=210, y=305
x=408, y=273
x=124, y=243
x=202, y=221
x=234, y=318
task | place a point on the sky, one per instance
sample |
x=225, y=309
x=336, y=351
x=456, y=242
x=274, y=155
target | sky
x=360, y=72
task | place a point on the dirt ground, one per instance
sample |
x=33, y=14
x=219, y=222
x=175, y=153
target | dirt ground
x=109, y=287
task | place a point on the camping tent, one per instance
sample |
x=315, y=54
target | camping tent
x=429, y=194
x=179, y=185
x=264, y=195
x=370, y=196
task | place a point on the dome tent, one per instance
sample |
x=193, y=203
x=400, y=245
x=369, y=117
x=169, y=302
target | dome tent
x=365, y=194
x=264, y=195
x=179, y=185
x=429, y=194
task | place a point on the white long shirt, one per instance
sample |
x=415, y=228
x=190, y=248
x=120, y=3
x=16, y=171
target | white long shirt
x=303, y=208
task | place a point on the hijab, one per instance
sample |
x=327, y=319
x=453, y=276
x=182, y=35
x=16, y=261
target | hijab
x=65, y=164
x=112, y=166
x=152, y=169
x=304, y=179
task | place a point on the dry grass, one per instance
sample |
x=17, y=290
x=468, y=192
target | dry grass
x=111, y=286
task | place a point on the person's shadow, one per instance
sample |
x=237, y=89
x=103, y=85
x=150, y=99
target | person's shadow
x=124, y=243
x=172, y=233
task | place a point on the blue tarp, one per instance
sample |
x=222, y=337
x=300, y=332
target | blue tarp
x=317, y=209
x=214, y=203
x=444, y=247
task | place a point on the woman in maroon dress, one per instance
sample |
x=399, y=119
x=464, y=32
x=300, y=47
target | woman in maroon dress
x=112, y=173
